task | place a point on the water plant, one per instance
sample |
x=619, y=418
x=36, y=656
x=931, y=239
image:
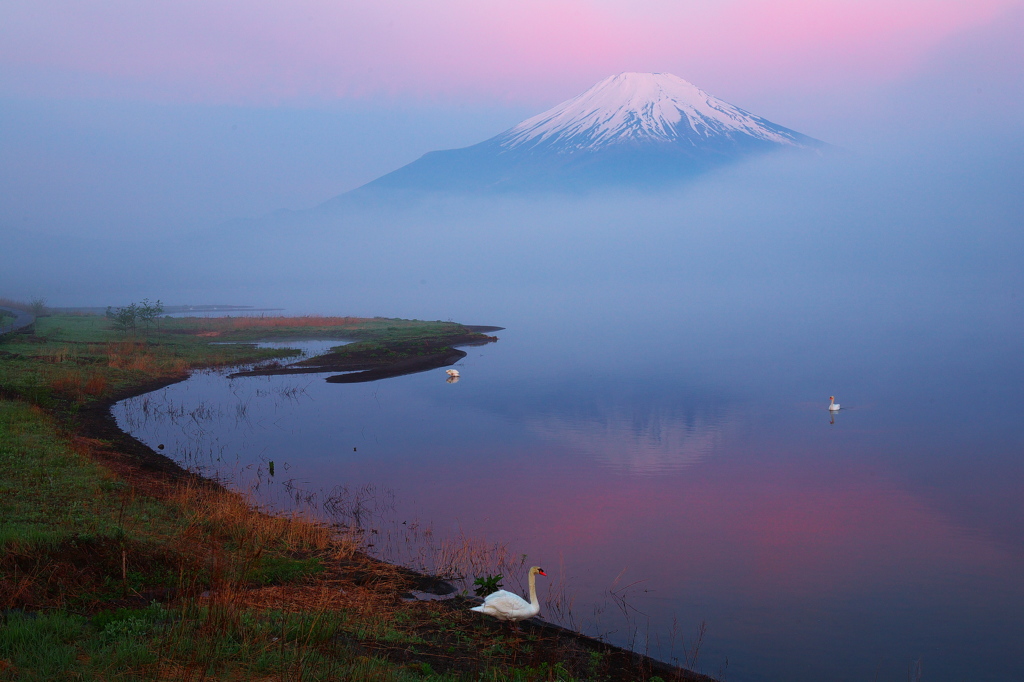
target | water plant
x=485, y=585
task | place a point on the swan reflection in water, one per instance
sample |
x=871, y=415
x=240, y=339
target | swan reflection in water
x=452, y=380
x=833, y=408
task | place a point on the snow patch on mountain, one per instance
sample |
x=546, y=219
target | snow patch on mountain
x=641, y=108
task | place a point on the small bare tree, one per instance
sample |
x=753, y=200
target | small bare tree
x=149, y=313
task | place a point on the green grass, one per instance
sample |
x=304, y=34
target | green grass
x=279, y=570
x=51, y=495
x=157, y=643
x=73, y=535
x=73, y=360
x=54, y=646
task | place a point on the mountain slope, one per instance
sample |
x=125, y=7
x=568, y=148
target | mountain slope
x=636, y=129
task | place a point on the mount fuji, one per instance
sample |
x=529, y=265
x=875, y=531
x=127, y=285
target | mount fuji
x=633, y=129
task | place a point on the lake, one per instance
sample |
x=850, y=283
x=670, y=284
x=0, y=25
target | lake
x=664, y=450
x=652, y=426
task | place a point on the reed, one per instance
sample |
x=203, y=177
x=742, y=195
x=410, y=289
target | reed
x=245, y=323
x=231, y=516
x=15, y=304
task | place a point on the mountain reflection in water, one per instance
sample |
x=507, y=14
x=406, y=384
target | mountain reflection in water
x=635, y=438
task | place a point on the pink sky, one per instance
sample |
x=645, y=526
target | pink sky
x=528, y=51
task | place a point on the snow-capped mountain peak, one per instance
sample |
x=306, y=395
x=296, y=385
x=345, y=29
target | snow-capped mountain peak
x=633, y=129
x=641, y=108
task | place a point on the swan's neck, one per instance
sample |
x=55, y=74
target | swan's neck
x=533, y=590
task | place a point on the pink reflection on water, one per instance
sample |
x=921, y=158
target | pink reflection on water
x=792, y=531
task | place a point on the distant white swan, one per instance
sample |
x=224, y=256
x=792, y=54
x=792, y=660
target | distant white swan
x=452, y=372
x=832, y=406
x=505, y=605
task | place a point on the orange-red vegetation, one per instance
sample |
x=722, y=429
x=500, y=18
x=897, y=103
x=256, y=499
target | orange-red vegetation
x=240, y=323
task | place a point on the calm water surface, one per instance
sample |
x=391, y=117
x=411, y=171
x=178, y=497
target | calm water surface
x=676, y=450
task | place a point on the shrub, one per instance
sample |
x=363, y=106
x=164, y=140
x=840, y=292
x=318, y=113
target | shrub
x=124, y=318
x=148, y=313
x=128, y=317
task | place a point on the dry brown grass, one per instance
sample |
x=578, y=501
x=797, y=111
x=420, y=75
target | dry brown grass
x=228, y=324
x=78, y=385
x=299, y=599
x=232, y=515
x=96, y=385
x=15, y=305
x=58, y=355
x=129, y=355
x=134, y=355
x=77, y=377
x=463, y=557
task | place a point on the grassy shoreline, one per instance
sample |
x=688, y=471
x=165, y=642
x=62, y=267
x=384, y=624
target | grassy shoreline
x=117, y=564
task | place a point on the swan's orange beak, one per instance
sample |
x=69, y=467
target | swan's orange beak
x=540, y=571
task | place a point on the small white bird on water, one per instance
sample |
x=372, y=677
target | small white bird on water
x=452, y=372
x=832, y=406
x=505, y=605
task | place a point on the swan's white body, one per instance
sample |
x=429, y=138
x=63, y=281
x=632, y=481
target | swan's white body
x=832, y=406
x=505, y=605
x=452, y=372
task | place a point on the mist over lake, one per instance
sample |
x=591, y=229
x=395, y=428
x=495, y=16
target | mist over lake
x=657, y=403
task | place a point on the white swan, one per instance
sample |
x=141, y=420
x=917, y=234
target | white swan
x=452, y=372
x=832, y=407
x=505, y=605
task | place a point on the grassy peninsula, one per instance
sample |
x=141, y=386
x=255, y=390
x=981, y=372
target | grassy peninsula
x=115, y=564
